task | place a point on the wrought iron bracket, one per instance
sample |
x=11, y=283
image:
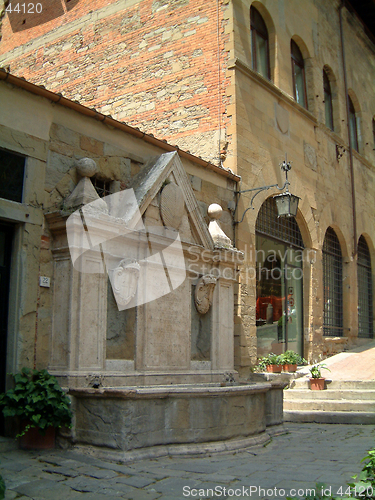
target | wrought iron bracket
x=285, y=167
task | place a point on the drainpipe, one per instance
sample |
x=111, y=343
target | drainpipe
x=348, y=126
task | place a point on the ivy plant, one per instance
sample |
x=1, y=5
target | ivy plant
x=38, y=400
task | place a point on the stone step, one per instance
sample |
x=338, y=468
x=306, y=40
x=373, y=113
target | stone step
x=329, y=417
x=330, y=405
x=336, y=394
x=304, y=382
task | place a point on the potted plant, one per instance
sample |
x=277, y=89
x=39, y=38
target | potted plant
x=274, y=363
x=316, y=379
x=41, y=406
x=290, y=361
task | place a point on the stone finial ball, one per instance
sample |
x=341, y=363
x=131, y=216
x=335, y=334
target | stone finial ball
x=214, y=211
x=86, y=167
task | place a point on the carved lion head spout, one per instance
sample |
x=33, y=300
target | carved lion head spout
x=124, y=281
x=204, y=292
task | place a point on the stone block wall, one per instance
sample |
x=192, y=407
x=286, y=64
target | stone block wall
x=269, y=123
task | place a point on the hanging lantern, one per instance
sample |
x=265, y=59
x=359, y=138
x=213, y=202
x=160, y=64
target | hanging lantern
x=287, y=204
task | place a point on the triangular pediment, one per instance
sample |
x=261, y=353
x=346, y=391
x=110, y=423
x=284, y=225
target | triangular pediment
x=165, y=197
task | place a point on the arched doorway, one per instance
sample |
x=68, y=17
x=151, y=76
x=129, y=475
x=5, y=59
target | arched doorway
x=279, y=303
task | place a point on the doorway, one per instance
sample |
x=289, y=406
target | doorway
x=6, y=238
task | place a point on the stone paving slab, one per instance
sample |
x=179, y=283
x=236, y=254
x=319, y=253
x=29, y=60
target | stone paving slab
x=307, y=454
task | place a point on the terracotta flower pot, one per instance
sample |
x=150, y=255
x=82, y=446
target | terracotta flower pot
x=317, y=384
x=290, y=368
x=34, y=440
x=274, y=368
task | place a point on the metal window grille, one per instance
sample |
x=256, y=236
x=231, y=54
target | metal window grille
x=365, y=298
x=101, y=187
x=284, y=229
x=12, y=171
x=333, y=288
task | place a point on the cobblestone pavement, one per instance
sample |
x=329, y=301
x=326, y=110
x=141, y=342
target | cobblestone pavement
x=307, y=454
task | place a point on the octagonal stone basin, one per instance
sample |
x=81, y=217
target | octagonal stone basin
x=159, y=420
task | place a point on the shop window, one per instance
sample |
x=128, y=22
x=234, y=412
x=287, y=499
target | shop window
x=327, y=101
x=259, y=44
x=279, y=282
x=353, y=130
x=12, y=171
x=364, y=277
x=332, y=283
x=298, y=72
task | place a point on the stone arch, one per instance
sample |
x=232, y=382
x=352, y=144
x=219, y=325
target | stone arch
x=271, y=36
x=304, y=218
x=331, y=216
x=355, y=100
x=302, y=46
x=306, y=223
x=371, y=248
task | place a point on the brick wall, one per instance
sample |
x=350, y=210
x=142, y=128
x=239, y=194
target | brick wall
x=131, y=62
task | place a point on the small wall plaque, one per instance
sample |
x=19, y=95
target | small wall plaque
x=44, y=281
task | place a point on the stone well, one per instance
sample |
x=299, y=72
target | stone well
x=143, y=321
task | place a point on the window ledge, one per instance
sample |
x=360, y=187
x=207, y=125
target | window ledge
x=268, y=85
x=342, y=142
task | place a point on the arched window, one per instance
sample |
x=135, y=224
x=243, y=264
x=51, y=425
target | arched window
x=332, y=283
x=365, y=312
x=353, y=125
x=298, y=70
x=259, y=44
x=327, y=100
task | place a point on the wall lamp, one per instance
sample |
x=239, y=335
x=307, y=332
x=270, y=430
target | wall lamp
x=286, y=203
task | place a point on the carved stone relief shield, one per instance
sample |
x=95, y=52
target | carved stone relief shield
x=124, y=281
x=204, y=291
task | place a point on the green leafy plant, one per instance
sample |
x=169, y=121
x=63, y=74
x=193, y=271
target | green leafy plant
x=275, y=359
x=292, y=358
x=2, y=488
x=364, y=484
x=262, y=365
x=270, y=359
x=316, y=370
x=37, y=399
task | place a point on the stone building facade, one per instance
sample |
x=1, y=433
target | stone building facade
x=241, y=84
